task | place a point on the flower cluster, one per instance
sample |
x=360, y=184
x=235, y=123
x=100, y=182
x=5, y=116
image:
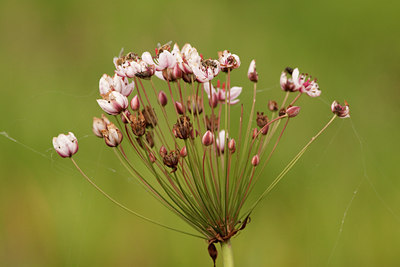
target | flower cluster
x=192, y=157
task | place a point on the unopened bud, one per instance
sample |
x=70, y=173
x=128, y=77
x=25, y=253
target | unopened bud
x=272, y=105
x=179, y=108
x=162, y=97
x=183, y=152
x=135, y=104
x=152, y=157
x=252, y=73
x=255, y=132
x=232, y=145
x=293, y=111
x=208, y=138
x=163, y=151
x=177, y=72
x=255, y=160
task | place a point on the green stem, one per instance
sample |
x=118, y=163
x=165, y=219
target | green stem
x=227, y=253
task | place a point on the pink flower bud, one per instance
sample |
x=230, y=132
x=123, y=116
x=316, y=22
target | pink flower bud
x=98, y=126
x=252, y=73
x=179, y=108
x=208, y=138
x=255, y=132
x=255, y=160
x=152, y=157
x=183, y=152
x=293, y=111
x=162, y=97
x=176, y=73
x=232, y=145
x=135, y=103
x=65, y=145
x=339, y=110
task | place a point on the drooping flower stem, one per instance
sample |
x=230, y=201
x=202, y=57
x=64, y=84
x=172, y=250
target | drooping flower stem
x=227, y=253
x=290, y=165
x=126, y=208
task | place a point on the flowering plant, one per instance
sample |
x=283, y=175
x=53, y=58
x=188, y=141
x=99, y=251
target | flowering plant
x=192, y=162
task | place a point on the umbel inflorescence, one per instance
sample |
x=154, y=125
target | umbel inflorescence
x=178, y=140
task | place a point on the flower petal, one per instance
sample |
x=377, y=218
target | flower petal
x=235, y=92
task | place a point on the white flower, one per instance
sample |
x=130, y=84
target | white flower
x=298, y=79
x=339, y=110
x=220, y=93
x=305, y=84
x=190, y=59
x=287, y=84
x=252, y=73
x=112, y=135
x=116, y=83
x=165, y=60
x=113, y=103
x=98, y=126
x=221, y=139
x=207, y=70
x=313, y=89
x=65, y=145
x=228, y=60
x=125, y=70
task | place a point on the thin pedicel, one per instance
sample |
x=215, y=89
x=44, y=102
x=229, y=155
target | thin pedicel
x=187, y=154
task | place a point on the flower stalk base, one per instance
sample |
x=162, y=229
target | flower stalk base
x=227, y=254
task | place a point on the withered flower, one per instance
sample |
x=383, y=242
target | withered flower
x=138, y=124
x=262, y=120
x=272, y=105
x=183, y=128
x=282, y=111
x=171, y=160
x=150, y=138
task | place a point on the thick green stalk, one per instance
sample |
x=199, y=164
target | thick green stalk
x=227, y=254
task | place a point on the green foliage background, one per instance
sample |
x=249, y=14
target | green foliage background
x=53, y=54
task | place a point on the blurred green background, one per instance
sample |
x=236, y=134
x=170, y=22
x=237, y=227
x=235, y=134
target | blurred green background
x=53, y=54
